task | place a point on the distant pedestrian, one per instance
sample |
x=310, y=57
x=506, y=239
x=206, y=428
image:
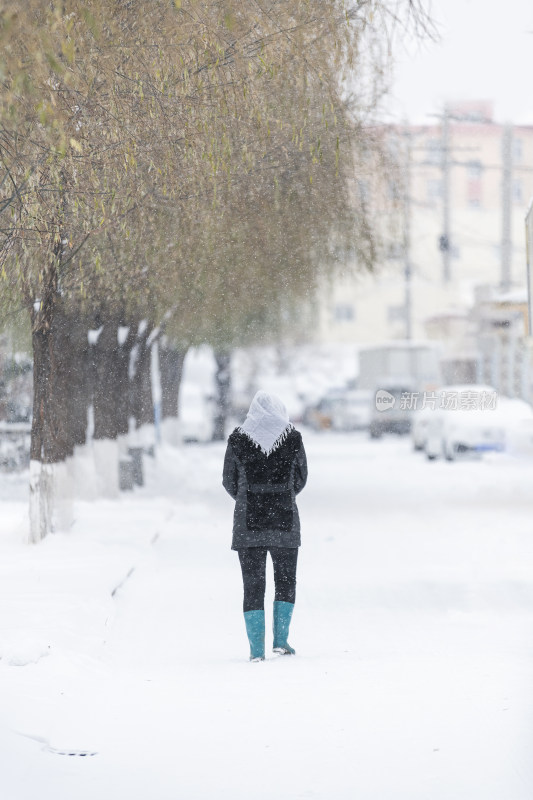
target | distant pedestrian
x=264, y=469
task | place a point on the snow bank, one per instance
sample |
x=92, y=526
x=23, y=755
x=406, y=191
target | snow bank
x=21, y=650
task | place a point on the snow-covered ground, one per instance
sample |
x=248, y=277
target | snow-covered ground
x=123, y=644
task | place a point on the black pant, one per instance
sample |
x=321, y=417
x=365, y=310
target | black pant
x=253, y=565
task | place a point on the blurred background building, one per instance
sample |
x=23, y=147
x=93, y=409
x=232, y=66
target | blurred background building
x=466, y=183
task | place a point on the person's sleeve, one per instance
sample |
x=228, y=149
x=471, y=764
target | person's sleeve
x=300, y=473
x=230, y=473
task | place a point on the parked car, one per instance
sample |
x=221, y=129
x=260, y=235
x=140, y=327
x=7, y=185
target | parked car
x=471, y=433
x=420, y=426
x=352, y=411
x=471, y=430
x=389, y=413
x=519, y=437
x=320, y=416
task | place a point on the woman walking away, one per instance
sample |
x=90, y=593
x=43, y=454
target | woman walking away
x=264, y=469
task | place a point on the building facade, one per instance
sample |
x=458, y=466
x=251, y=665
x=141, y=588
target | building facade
x=467, y=182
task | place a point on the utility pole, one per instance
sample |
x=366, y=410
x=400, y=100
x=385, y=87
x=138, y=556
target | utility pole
x=446, y=163
x=408, y=306
x=445, y=243
x=507, y=175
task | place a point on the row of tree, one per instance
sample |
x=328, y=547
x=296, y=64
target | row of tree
x=174, y=171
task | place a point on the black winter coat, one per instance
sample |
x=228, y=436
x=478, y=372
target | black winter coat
x=264, y=488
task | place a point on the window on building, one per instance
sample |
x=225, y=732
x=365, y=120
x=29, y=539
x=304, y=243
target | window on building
x=434, y=151
x=395, y=313
x=343, y=312
x=474, y=169
x=473, y=193
x=518, y=195
x=518, y=148
x=434, y=190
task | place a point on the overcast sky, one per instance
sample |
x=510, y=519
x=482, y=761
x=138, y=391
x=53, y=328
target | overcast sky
x=485, y=52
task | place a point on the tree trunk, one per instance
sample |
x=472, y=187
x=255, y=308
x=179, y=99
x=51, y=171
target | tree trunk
x=123, y=383
x=79, y=379
x=51, y=437
x=58, y=443
x=105, y=392
x=170, y=371
x=171, y=368
x=110, y=392
x=81, y=390
x=142, y=403
x=41, y=370
x=223, y=389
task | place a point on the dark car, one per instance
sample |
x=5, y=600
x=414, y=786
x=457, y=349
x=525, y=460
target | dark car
x=391, y=412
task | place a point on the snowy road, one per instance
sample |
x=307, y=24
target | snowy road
x=413, y=627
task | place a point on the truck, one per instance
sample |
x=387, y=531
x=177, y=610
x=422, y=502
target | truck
x=397, y=374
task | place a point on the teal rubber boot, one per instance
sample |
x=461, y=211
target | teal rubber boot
x=282, y=620
x=255, y=628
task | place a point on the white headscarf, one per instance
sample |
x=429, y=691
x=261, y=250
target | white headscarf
x=267, y=422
